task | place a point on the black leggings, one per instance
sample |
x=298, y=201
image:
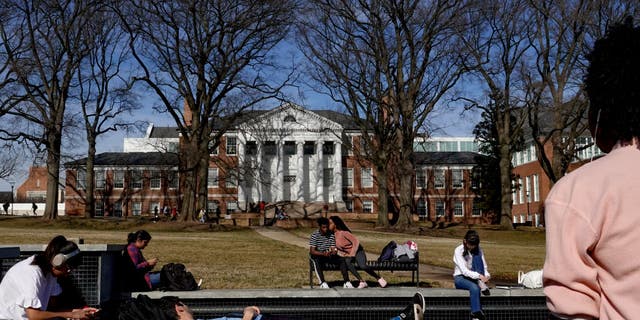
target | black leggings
x=347, y=265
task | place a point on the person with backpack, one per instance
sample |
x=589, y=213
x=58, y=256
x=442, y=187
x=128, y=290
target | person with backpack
x=322, y=249
x=471, y=272
x=350, y=250
x=31, y=289
x=136, y=242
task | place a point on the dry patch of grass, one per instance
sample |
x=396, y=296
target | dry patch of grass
x=230, y=257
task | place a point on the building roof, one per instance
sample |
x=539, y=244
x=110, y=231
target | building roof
x=130, y=159
x=442, y=158
x=163, y=132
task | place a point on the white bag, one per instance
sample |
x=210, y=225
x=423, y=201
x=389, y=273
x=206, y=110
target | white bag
x=531, y=279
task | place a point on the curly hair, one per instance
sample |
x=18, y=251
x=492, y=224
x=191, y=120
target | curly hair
x=612, y=82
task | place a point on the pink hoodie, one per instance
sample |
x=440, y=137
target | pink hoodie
x=346, y=243
x=592, y=268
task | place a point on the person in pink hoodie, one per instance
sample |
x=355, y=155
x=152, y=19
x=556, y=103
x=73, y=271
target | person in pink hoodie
x=350, y=250
x=591, y=269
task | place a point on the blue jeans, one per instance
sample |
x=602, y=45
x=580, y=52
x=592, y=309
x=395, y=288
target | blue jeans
x=462, y=282
x=155, y=279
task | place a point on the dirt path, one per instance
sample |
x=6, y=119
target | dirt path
x=437, y=276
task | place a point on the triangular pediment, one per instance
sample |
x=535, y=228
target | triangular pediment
x=290, y=118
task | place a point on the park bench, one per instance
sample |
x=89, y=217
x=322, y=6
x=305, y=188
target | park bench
x=413, y=266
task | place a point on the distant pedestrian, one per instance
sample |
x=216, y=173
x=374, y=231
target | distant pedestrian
x=218, y=213
x=165, y=211
x=174, y=214
x=34, y=207
x=5, y=206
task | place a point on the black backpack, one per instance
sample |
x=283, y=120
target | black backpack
x=140, y=308
x=175, y=277
x=387, y=252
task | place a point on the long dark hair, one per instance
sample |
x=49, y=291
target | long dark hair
x=340, y=225
x=472, y=237
x=59, y=244
x=138, y=235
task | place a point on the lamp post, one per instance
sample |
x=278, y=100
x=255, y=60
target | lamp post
x=12, y=183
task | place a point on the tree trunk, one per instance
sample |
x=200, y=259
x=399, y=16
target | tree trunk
x=89, y=204
x=53, y=176
x=407, y=173
x=383, y=195
x=505, y=183
x=202, y=176
x=188, y=165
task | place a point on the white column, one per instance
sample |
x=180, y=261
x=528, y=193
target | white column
x=298, y=186
x=258, y=173
x=320, y=189
x=240, y=173
x=279, y=185
x=337, y=171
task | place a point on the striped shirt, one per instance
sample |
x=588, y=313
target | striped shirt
x=322, y=242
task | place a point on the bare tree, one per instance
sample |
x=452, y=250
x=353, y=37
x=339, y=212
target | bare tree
x=44, y=44
x=104, y=93
x=564, y=33
x=495, y=42
x=388, y=63
x=206, y=61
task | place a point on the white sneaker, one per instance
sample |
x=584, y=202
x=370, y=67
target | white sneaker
x=362, y=285
x=348, y=285
x=324, y=285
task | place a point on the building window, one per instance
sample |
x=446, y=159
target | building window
x=328, y=147
x=136, y=179
x=347, y=178
x=289, y=148
x=211, y=206
x=367, y=206
x=212, y=178
x=81, y=179
x=251, y=148
x=349, y=205
x=421, y=208
x=456, y=178
x=100, y=180
x=155, y=208
x=117, y=209
x=366, y=180
x=155, y=180
x=520, y=191
x=476, y=179
x=527, y=180
x=231, y=179
x=327, y=176
x=213, y=147
x=440, y=208
x=118, y=179
x=232, y=206
x=309, y=148
x=536, y=188
x=363, y=146
x=458, y=209
x=289, y=118
x=136, y=208
x=173, y=179
x=438, y=178
x=421, y=179
x=476, y=211
x=232, y=145
x=98, y=206
x=37, y=196
x=270, y=148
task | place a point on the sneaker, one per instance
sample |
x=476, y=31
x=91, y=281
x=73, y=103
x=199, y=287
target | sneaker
x=484, y=288
x=478, y=315
x=362, y=285
x=418, y=306
x=324, y=285
x=405, y=314
x=382, y=282
x=348, y=285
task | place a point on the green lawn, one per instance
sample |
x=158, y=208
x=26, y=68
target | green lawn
x=233, y=257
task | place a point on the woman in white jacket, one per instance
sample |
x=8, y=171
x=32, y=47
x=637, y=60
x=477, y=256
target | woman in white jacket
x=471, y=272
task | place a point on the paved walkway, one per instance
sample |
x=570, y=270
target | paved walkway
x=428, y=273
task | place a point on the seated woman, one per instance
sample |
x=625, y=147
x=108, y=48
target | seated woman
x=30, y=289
x=137, y=241
x=350, y=249
x=471, y=271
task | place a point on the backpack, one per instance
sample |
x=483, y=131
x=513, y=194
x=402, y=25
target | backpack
x=531, y=279
x=140, y=308
x=175, y=277
x=387, y=251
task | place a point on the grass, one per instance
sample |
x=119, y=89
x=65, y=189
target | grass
x=233, y=257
